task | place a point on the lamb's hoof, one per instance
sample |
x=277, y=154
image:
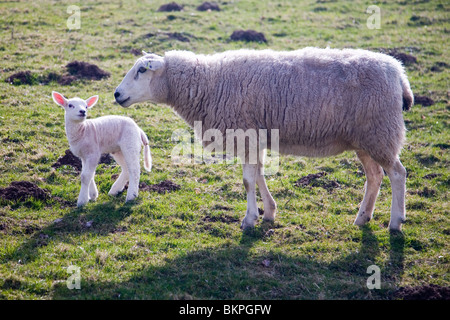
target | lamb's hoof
x=131, y=198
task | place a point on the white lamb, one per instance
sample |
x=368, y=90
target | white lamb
x=89, y=139
x=322, y=102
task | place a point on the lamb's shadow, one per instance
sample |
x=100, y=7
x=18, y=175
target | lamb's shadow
x=99, y=218
x=237, y=271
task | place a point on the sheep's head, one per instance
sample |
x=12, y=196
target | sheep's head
x=137, y=85
x=75, y=108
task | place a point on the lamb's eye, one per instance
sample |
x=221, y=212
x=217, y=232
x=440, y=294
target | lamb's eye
x=142, y=70
x=71, y=106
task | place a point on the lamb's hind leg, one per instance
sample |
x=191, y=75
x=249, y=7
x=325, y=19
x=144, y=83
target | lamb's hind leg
x=397, y=175
x=132, y=160
x=122, y=180
x=374, y=175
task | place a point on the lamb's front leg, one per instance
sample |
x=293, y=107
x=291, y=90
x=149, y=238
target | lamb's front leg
x=87, y=177
x=249, y=174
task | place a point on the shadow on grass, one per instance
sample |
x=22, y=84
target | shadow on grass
x=239, y=271
x=100, y=219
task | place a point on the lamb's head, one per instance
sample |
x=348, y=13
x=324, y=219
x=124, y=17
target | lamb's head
x=141, y=82
x=75, y=108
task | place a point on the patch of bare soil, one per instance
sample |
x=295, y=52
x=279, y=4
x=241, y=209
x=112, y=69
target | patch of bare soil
x=221, y=218
x=317, y=180
x=426, y=292
x=248, y=36
x=21, y=77
x=22, y=190
x=423, y=100
x=169, y=7
x=85, y=70
x=208, y=6
x=405, y=58
x=71, y=160
x=162, y=187
x=439, y=66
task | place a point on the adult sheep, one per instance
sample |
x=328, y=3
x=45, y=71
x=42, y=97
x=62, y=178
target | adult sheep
x=322, y=101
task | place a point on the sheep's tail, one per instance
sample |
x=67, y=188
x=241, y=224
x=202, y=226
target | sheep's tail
x=408, y=97
x=147, y=154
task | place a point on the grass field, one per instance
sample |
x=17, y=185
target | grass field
x=187, y=244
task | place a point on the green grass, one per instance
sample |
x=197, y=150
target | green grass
x=188, y=244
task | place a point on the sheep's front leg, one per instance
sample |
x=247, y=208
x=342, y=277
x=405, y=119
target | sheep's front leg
x=87, y=177
x=250, y=172
x=270, y=206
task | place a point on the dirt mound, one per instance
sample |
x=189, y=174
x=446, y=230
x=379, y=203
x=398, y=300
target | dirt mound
x=439, y=66
x=22, y=190
x=205, y=6
x=177, y=36
x=70, y=159
x=248, y=36
x=162, y=187
x=86, y=70
x=423, y=100
x=317, y=180
x=405, y=58
x=426, y=292
x=169, y=7
x=22, y=77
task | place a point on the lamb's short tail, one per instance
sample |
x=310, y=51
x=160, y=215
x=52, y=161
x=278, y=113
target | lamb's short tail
x=147, y=154
x=408, y=97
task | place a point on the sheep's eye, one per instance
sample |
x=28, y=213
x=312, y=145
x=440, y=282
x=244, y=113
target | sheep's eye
x=71, y=106
x=142, y=69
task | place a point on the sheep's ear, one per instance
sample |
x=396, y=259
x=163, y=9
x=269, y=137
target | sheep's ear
x=59, y=99
x=90, y=102
x=155, y=64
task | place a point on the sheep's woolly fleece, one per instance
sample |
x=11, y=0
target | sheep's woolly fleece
x=323, y=101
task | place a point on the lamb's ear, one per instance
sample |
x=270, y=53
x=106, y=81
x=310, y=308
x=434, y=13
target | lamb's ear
x=155, y=63
x=90, y=102
x=59, y=99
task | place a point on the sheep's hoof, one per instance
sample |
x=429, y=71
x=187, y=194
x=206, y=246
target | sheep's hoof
x=248, y=223
x=361, y=219
x=81, y=204
x=396, y=225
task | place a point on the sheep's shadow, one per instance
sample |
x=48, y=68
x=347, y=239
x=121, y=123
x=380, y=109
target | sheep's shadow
x=237, y=271
x=100, y=218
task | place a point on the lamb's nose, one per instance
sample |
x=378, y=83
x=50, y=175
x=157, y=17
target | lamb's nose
x=116, y=94
x=83, y=112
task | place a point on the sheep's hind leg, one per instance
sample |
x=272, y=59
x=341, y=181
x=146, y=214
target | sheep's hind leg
x=87, y=176
x=122, y=180
x=397, y=175
x=250, y=172
x=374, y=174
